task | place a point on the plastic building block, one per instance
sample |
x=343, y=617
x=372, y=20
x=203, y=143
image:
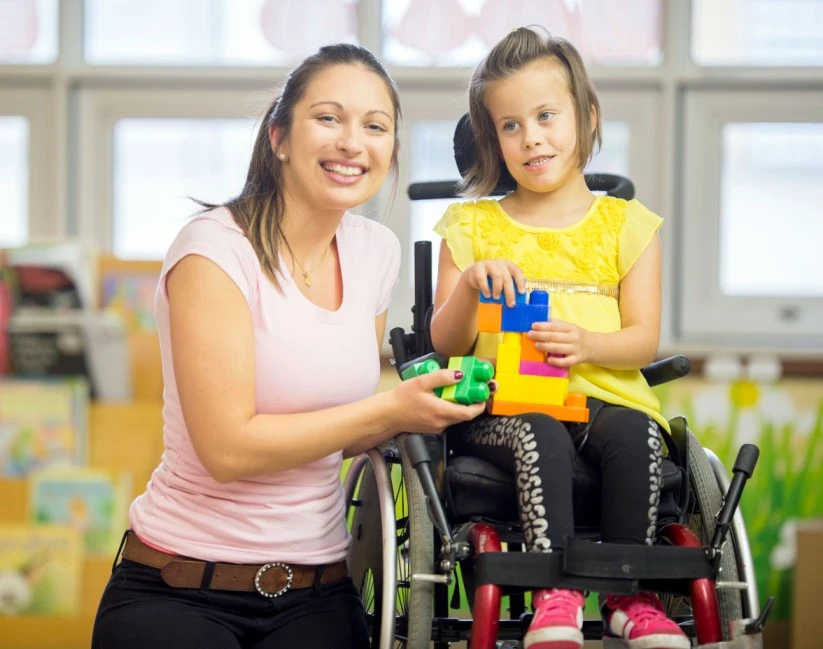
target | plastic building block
x=508, y=355
x=576, y=414
x=489, y=317
x=474, y=388
x=528, y=352
x=542, y=368
x=522, y=316
x=524, y=388
x=424, y=367
x=486, y=345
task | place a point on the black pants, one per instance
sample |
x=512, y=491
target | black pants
x=624, y=444
x=139, y=611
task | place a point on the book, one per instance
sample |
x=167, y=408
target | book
x=128, y=288
x=40, y=570
x=43, y=423
x=90, y=501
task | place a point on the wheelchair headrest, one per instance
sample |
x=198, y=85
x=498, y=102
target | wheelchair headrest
x=465, y=152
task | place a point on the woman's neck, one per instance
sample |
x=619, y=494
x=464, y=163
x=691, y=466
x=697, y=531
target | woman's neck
x=559, y=208
x=308, y=231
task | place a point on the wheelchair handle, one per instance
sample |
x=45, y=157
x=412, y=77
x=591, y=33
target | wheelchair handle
x=743, y=469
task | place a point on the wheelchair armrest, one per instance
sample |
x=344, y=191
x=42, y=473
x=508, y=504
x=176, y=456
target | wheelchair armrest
x=666, y=370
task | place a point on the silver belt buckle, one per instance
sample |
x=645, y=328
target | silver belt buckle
x=268, y=566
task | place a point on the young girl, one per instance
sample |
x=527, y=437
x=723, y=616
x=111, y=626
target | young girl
x=533, y=106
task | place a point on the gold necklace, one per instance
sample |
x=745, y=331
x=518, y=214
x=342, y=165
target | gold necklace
x=307, y=273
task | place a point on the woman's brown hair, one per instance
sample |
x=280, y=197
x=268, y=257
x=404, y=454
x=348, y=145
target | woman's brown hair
x=519, y=48
x=258, y=209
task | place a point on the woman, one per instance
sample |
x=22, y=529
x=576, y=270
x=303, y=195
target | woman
x=271, y=310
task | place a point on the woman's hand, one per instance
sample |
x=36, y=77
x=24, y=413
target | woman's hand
x=416, y=409
x=565, y=344
x=495, y=276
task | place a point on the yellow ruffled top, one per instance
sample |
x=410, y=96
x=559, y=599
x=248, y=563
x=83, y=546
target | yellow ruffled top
x=581, y=266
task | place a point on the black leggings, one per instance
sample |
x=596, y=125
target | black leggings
x=624, y=444
x=139, y=610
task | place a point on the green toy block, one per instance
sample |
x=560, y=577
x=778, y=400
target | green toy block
x=424, y=367
x=474, y=388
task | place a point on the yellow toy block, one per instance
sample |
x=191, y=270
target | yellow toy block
x=508, y=354
x=528, y=352
x=526, y=388
x=487, y=344
x=489, y=317
x=562, y=413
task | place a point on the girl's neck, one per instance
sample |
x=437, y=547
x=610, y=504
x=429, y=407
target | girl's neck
x=559, y=208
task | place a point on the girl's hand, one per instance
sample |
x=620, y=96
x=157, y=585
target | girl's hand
x=503, y=276
x=416, y=409
x=565, y=344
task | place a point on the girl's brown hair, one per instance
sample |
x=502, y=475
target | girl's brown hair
x=519, y=48
x=258, y=209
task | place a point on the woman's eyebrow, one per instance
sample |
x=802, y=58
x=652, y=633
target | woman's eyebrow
x=339, y=106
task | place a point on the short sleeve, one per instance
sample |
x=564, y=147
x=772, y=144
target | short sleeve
x=388, y=270
x=639, y=226
x=457, y=228
x=221, y=244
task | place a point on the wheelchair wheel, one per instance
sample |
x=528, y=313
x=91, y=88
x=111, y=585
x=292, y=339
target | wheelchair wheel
x=707, y=499
x=371, y=561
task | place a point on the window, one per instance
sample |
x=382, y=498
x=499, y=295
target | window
x=214, y=32
x=159, y=164
x=751, y=233
x=460, y=32
x=28, y=31
x=770, y=225
x=757, y=32
x=14, y=180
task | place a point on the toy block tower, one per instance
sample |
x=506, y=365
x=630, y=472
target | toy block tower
x=525, y=381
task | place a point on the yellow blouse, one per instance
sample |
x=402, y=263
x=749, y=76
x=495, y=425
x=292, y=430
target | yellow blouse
x=581, y=266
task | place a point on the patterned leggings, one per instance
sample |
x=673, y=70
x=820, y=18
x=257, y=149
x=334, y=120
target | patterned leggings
x=623, y=443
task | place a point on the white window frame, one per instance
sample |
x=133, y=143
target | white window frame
x=101, y=108
x=35, y=104
x=708, y=315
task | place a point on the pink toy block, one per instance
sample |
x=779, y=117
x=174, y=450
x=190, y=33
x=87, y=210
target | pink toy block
x=541, y=368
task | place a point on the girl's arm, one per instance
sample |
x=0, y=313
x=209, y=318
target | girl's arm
x=213, y=355
x=635, y=345
x=454, y=322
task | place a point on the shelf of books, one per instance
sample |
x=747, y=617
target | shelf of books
x=78, y=446
x=68, y=471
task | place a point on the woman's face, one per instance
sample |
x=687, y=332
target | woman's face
x=341, y=142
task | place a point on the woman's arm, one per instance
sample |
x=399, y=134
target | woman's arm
x=213, y=354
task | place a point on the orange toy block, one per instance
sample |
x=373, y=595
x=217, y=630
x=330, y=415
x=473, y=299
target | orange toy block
x=527, y=388
x=508, y=354
x=528, y=352
x=562, y=413
x=489, y=317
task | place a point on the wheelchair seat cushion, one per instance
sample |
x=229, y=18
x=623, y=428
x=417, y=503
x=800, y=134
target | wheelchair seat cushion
x=476, y=488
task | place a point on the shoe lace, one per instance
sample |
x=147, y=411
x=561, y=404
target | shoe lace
x=560, y=599
x=643, y=607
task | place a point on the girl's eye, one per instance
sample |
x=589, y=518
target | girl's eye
x=509, y=126
x=545, y=115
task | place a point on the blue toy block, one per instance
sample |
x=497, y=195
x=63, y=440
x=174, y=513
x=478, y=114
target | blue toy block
x=523, y=316
x=519, y=298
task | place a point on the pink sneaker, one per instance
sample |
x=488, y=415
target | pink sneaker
x=638, y=622
x=557, y=621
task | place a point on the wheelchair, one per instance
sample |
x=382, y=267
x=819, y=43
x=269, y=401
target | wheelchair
x=423, y=520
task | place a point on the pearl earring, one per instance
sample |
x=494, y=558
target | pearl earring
x=281, y=156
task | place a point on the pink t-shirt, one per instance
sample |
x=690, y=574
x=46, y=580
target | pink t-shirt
x=307, y=358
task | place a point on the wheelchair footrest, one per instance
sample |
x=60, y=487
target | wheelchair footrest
x=603, y=567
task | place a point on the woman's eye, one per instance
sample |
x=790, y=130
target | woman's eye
x=377, y=127
x=327, y=118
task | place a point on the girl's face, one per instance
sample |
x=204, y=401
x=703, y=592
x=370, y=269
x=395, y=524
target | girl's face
x=534, y=118
x=341, y=142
